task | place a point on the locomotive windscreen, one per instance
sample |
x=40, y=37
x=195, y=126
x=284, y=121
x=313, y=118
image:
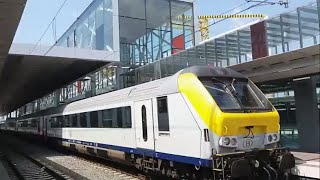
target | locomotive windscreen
x=236, y=95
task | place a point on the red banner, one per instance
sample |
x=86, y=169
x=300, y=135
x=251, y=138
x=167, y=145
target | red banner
x=259, y=40
x=178, y=44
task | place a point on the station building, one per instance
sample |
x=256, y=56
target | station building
x=133, y=32
x=152, y=44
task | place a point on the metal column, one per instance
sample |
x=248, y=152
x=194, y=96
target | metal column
x=307, y=113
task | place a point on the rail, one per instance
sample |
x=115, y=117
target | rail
x=22, y=166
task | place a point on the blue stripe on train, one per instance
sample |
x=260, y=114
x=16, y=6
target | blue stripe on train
x=147, y=152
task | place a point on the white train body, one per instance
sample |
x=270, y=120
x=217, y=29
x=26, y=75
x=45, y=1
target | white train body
x=174, y=125
x=182, y=142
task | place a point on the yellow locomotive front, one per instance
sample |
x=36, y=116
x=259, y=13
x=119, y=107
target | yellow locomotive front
x=244, y=118
x=243, y=124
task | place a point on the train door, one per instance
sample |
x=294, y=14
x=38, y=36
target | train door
x=144, y=124
x=45, y=126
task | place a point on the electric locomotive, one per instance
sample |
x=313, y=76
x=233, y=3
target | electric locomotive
x=202, y=122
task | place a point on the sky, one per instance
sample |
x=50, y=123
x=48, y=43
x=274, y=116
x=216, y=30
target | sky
x=38, y=14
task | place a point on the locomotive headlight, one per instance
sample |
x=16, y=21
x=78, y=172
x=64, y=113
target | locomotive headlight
x=233, y=141
x=230, y=141
x=275, y=137
x=271, y=138
x=226, y=141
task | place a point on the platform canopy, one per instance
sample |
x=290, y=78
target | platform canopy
x=28, y=77
x=282, y=67
x=10, y=15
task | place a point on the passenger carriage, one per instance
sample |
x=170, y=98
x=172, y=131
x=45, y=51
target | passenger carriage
x=203, y=122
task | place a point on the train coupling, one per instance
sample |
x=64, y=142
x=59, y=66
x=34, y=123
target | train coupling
x=270, y=163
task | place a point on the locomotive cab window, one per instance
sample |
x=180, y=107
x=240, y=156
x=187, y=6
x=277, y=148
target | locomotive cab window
x=236, y=95
x=163, y=116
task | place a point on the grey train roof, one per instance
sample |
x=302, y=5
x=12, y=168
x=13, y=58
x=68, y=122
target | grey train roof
x=211, y=71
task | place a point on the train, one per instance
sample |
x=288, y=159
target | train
x=203, y=122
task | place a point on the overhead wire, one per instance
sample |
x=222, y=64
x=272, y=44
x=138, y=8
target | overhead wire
x=223, y=19
x=50, y=24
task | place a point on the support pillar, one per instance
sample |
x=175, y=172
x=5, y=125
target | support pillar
x=120, y=82
x=93, y=84
x=56, y=100
x=307, y=113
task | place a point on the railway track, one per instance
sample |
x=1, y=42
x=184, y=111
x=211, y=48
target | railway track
x=22, y=166
x=35, y=161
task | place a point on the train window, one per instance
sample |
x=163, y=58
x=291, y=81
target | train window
x=74, y=120
x=83, y=120
x=38, y=124
x=59, y=121
x=144, y=123
x=127, y=123
x=53, y=122
x=107, y=118
x=94, y=119
x=24, y=123
x=236, y=95
x=66, y=121
x=11, y=124
x=33, y=123
x=163, y=116
x=117, y=117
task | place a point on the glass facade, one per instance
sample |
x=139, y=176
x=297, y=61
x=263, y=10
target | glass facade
x=287, y=32
x=131, y=30
x=93, y=29
x=147, y=34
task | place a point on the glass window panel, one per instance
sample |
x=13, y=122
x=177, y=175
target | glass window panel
x=70, y=40
x=91, y=31
x=181, y=12
x=108, y=25
x=94, y=119
x=134, y=9
x=83, y=120
x=99, y=16
x=66, y=121
x=107, y=118
x=144, y=123
x=74, y=120
x=161, y=17
x=163, y=116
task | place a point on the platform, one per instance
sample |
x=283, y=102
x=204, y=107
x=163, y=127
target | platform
x=3, y=172
x=307, y=165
